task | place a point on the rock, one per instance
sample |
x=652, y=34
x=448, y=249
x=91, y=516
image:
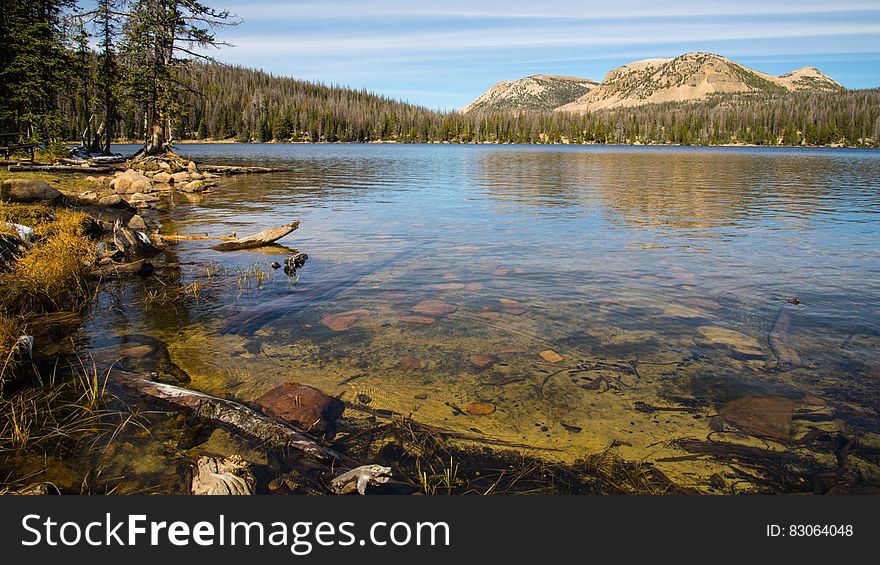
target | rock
x=91, y=179
x=164, y=165
x=421, y=396
x=275, y=265
x=514, y=309
x=180, y=178
x=794, y=300
x=28, y=190
x=196, y=176
x=424, y=320
x=411, y=364
x=133, y=244
x=551, y=356
x=434, y=307
x=192, y=167
x=501, y=272
x=761, y=416
x=193, y=186
x=490, y=315
x=161, y=178
x=120, y=185
x=446, y=286
x=481, y=361
x=473, y=287
x=137, y=223
x=679, y=311
x=508, y=301
x=88, y=196
x=114, y=201
x=735, y=340
x=304, y=406
x=344, y=320
x=142, y=186
x=223, y=476
x=480, y=408
x=140, y=197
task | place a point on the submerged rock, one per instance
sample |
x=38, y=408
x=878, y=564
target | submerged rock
x=344, y=320
x=480, y=408
x=551, y=356
x=481, y=361
x=514, y=309
x=424, y=320
x=411, y=363
x=761, y=416
x=434, y=307
x=304, y=406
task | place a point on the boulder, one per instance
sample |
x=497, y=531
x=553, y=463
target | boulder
x=180, y=178
x=142, y=186
x=120, y=185
x=28, y=190
x=192, y=167
x=193, y=186
x=137, y=223
x=140, y=197
x=161, y=178
x=114, y=201
x=89, y=196
x=303, y=406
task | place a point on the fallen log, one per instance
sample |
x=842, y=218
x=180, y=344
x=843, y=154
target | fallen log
x=177, y=237
x=235, y=170
x=778, y=340
x=319, y=463
x=142, y=268
x=90, y=170
x=265, y=237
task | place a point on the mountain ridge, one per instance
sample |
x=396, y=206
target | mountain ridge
x=689, y=77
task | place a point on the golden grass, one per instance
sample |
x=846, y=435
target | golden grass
x=53, y=274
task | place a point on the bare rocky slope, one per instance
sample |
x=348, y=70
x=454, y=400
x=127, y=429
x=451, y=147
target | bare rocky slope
x=536, y=92
x=689, y=77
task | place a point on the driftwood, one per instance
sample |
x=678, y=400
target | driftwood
x=177, y=237
x=317, y=462
x=233, y=170
x=778, y=339
x=265, y=237
x=223, y=476
x=358, y=479
x=91, y=170
x=142, y=268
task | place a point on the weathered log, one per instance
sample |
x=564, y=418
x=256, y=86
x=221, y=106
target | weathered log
x=319, y=463
x=235, y=170
x=60, y=169
x=142, y=268
x=265, y=237
x=223, y=476
x=358, y=479
x=778, y=339
x=177, y=237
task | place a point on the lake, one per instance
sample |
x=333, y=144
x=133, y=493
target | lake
x=655, y=302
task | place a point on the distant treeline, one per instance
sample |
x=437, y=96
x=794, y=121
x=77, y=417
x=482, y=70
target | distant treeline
x=248, y=105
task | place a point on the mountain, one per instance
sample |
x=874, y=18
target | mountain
x=536, y=92
x=689, y=77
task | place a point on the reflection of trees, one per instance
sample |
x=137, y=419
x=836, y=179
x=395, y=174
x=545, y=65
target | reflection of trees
x=694, y=192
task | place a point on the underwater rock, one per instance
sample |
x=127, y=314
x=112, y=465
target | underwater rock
x=508, y=301
x=551, y=356
x=344, y=320
x=761, y=416
x=679, y=311
x=501, y=272
x=223, y=476
x=304, y=406
x=434, y=307
x=737, y=341
x=424, y=320
x=514, y=309
x=481, y=361
x=490, y=315
x=480, y=408
x=447, y=286
x=411, y=364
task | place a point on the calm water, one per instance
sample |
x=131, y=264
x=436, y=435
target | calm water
x=657, y=274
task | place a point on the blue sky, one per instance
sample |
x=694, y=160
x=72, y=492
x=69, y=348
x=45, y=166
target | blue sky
x=443, y=54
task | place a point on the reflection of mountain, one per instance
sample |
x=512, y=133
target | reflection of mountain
x=697, y=194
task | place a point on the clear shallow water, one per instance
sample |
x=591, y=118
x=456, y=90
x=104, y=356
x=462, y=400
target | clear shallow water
x=656, y=273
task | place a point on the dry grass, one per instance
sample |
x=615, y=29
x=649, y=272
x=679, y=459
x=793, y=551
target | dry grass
x=53, y=274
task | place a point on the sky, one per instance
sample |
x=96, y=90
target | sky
x=444, y=54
